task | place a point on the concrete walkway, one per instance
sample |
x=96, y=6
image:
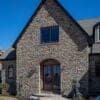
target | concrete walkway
x=50, y=97
x=57, y=97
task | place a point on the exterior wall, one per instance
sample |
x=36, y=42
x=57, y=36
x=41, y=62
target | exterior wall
x=71, y=52
x=94, y=81
x=10, y=81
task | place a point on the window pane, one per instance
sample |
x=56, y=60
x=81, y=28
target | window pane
x=10, y=71
x=99, y=33
x=45, y=35
x=54, y=34
x=50, y=34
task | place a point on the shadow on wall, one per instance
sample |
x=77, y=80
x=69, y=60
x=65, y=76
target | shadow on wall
x=82, y=88
x=75, y=32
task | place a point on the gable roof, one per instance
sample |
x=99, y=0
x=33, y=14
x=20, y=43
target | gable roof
x=89, y=24
x=35, y=13
x=10, y=54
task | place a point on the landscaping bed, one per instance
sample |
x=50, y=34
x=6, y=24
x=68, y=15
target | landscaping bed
x=7, y=98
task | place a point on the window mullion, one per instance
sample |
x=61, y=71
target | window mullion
x=50, y=35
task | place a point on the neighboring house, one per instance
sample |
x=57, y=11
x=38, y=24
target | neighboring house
x=52, y=51
x=1, y=52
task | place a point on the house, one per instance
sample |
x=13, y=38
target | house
x=1, y=52
x=53, y=50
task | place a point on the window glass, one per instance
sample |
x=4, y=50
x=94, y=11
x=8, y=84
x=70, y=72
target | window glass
x=50, y=34
x=97, y=33
x=10, y=71
x=97, y=69
x=45, y=35
x=55, y=34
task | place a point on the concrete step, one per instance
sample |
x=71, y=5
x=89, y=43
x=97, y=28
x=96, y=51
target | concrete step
x=48, y=97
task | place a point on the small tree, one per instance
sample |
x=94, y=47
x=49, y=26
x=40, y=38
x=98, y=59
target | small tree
x=4, y=87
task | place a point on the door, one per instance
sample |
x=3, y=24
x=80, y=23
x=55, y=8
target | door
x=51, y=77
x=56, y=78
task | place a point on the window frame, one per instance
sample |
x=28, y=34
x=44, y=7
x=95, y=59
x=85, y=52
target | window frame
x=50, y=41
x=97, y=33
x=11, y=67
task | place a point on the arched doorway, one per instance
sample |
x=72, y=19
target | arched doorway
x=50, y=71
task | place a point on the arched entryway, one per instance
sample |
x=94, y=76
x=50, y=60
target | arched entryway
x=50, y=75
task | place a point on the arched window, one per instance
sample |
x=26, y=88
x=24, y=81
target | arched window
x=97, y=33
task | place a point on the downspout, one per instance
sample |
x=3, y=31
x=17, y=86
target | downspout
x=90, y=54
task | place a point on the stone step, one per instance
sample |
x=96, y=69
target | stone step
x=47, y=97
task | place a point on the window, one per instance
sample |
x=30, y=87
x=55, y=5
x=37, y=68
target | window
x=10, y=71
x=50, y=34
x=97, y=69
x=97, y=33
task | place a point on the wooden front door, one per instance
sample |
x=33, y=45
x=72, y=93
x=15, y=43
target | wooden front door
x=51, y=77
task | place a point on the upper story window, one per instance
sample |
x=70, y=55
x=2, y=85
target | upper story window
x=97, y=33
x=50, y=34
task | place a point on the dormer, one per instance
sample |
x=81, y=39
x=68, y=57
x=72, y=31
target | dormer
x=97, y=33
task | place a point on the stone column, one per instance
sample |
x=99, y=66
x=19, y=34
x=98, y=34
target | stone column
x=3, y=76
x=2, y=69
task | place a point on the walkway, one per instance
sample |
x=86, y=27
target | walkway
x=50, y=97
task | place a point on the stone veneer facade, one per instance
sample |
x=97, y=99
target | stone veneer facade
x=11, y=81
x=71, y=51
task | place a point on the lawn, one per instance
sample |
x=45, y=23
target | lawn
x=7, y=98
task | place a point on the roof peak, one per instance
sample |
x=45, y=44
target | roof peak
x=48, y=0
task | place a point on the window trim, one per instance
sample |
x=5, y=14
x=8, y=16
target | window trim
x=97, y=34
x=49, y=42
x=9, y=67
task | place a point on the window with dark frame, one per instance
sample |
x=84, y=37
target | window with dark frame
x=97, y=69
x=10, y=71
x=50, y=34
x=97, y=33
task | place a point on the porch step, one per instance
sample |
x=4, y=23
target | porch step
x=49, y=97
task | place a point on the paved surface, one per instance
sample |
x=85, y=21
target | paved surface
x=50, y=97
x=53, y=98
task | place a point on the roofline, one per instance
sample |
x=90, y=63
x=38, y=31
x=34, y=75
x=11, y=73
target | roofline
x=8, y=59
x=35, y=13
x=30, y=19
x=94, y=54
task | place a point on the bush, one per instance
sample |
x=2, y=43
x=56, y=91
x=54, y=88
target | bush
x=4, y=87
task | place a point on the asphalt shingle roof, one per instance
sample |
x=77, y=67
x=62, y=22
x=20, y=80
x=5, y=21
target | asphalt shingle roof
x=88, y=24
x=9, y=54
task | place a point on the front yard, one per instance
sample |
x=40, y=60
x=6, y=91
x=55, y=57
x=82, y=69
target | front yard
x=7, y=98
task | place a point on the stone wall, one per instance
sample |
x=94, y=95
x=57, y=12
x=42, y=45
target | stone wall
x=11, y=81
x=71, y=51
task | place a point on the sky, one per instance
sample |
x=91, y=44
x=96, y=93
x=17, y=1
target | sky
x=14, y=15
